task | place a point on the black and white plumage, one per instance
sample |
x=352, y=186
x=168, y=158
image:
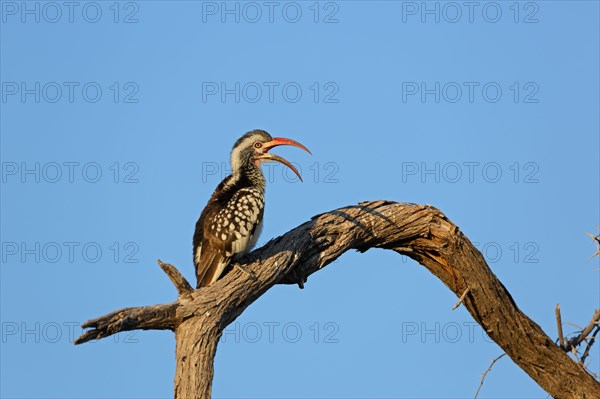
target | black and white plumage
x=231, y=222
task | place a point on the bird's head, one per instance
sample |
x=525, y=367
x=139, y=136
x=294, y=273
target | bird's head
x=253, y=148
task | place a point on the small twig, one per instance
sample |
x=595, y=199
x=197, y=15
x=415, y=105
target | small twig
x=462, y=297
x=487, y=371
x=180, y=283
x=573, y=342
x=574, y=325
x=589, y=345
x=597, y=240
x=561, y=337
x=574, y=352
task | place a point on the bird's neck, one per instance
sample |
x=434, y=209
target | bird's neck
x=249, y=174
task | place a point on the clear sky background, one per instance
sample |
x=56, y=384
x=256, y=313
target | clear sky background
x=116, y=126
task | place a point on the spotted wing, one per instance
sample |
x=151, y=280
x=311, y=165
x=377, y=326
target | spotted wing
x=231, y=233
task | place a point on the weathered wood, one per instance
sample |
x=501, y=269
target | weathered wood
x=420, y=232
x=180, y=283
x=157, y=317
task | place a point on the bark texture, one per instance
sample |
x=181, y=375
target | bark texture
x=423, y=233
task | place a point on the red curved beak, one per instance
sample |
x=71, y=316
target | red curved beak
x=283, y=141
x=272, y=157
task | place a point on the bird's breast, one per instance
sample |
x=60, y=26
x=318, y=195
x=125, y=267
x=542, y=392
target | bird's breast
x=236, y=223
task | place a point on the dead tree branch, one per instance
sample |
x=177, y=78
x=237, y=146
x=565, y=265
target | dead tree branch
x=157, y=317
x=420, y=232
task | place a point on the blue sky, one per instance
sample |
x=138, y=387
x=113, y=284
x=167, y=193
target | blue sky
x=116, y=124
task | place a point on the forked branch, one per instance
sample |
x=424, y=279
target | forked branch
x=421, y=232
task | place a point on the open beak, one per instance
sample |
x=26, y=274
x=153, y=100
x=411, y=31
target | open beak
x=283, y=141
x=271, y=157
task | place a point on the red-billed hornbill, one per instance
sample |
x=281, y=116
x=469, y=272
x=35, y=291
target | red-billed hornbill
x=231, y=222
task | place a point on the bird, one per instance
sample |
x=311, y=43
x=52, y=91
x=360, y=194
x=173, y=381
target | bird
x=231, y=221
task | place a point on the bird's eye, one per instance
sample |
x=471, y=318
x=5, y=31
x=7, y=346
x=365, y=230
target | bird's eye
x=258, y=144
